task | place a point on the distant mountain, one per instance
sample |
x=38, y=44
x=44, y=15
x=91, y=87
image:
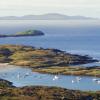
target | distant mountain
x=50, y=16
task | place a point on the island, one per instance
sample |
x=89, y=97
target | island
x=24, y=33
x=52, y=61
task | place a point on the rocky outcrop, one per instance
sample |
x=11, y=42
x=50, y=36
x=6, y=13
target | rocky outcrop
x=5, y=83
x=39, y=57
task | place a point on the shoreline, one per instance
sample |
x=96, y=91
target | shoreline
x=6, y=66
x=7, y=91
x=92, y=72
x=52, y=61
x=53, y=70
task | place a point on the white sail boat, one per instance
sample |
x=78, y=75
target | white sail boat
x=55, y=77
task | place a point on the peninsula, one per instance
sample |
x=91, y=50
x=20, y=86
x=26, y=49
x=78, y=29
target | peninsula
x=52, y=61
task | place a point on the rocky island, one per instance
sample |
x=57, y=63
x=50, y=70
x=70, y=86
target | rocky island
x=24, y=33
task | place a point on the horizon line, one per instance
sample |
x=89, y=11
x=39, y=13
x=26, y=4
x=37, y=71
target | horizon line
x=46, y=14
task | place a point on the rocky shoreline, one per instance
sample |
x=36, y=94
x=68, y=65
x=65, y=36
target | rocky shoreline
x=52, y=61
x=9, y=92
x=72, y=70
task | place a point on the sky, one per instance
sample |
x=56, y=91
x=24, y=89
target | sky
x=89, y=8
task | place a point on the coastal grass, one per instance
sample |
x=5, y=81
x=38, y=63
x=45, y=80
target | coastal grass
x=70, y=70
x=48, y=60
x=46, y=93
x=9, y=92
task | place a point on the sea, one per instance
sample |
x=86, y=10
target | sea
x=73, y=36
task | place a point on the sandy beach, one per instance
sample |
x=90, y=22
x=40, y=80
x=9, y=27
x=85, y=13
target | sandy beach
x=5, y=67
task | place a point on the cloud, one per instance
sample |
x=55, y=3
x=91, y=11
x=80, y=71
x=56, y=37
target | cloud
x=75, y=7
x=49, y=3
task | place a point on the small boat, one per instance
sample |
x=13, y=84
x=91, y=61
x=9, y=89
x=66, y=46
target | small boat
x=98, y=82
x=55, y=77
x=94, y=79
x=18, y=76
x=27, y=74
x=73, y=81
x=78, y=79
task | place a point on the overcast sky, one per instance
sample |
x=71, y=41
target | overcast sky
x=69, y=7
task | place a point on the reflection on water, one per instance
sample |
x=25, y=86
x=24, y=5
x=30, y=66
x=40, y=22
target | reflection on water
x=24, y=77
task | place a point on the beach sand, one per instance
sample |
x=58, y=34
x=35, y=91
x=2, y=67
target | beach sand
x=5, y=67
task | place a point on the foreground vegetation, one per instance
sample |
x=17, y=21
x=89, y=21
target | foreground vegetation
x=8, y=92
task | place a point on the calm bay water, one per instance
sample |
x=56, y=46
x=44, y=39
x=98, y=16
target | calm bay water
x=81, y=37
x=35, y=79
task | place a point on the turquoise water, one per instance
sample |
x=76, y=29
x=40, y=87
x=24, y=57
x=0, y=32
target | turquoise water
x=33, y=78
x=81, y=37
